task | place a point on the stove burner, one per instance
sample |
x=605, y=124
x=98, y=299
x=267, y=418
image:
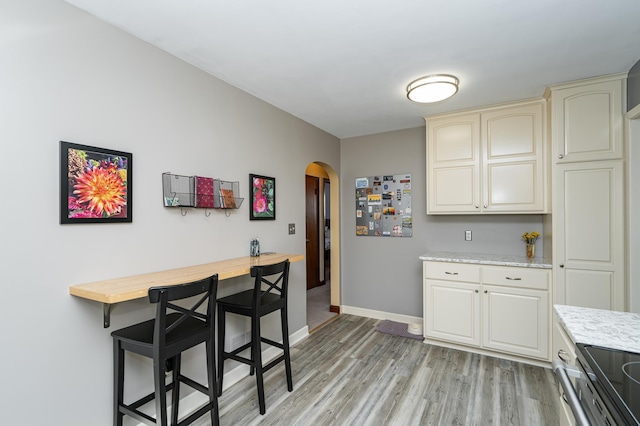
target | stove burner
x=632, y=371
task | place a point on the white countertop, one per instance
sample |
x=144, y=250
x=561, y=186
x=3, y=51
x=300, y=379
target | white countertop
x=609, y=329
x=487, y=259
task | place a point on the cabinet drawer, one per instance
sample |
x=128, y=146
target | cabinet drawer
x=516, y=277
x=452, y=271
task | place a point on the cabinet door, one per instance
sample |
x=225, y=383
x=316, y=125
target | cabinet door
x=516, y=321
x=589, y=235
x=587, y=122
x=452, y=311
x=453, y=164
x=513, y=153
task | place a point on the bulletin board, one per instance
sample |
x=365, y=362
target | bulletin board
x=383, y=206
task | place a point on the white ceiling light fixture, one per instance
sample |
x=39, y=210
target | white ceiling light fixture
x=432, y=88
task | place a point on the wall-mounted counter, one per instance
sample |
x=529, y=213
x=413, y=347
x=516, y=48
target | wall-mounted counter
x=137, y=287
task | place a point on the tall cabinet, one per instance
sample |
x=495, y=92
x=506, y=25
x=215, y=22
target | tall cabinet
x=588, y=203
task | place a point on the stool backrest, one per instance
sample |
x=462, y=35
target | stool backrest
x=164, y=296
x=276, y=278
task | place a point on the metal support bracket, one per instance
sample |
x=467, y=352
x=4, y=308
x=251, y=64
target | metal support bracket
x=106, y=313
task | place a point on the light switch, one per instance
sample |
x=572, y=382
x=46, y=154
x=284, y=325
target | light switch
x=467, y=235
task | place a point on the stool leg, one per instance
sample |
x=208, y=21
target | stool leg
x=285, y=342
x=118, y=382
x=257, y=358
x=161, y=391
x=221, y=327
x=175, y=399
x=213, y=384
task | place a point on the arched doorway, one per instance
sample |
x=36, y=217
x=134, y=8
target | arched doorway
x=322, y=228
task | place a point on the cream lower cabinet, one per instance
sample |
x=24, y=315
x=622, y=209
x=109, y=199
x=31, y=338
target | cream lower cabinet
x=499, y=309
x=564, y=350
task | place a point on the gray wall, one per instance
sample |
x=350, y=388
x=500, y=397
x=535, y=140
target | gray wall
x=65, y=75
x=384, y=273
x=633, y=87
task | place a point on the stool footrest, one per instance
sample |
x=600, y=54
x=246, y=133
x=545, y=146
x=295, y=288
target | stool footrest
x=195, y=416
x=273, y=363
x=272, y=343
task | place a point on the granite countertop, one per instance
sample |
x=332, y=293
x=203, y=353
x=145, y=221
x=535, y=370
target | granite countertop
x=487, y=259
x=599, y=327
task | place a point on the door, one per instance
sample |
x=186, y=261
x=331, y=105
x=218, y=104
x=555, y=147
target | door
x=590, y=225
x=312, y=189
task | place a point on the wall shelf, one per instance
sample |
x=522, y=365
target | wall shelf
x=200, y=192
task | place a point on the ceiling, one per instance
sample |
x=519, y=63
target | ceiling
x=343, y=65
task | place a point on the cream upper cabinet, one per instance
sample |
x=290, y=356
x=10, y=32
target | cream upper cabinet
x=488, y=161
x=588, y=120
x=453, y=158
x=513, y=159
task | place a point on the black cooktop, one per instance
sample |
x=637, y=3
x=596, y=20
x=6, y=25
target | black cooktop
x=618, y=375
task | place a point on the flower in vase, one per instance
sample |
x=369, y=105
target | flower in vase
x=530, y=237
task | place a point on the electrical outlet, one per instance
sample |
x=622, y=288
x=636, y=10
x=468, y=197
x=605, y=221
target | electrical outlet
x=292, y=228
x=467, y=235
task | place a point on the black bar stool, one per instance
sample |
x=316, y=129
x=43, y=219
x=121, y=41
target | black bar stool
x=257, y=303
x=163, y=339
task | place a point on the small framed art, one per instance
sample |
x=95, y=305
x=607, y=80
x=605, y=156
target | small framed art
x=95, y=184
x=263, y=197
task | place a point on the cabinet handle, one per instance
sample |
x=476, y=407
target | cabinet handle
x=513, y=279
x=485, y=206
x=486, y=291
x=561, y=156
x=477, y=291
x=477, y=206
x=563, y=355
x=451, y=273
x=562, y=265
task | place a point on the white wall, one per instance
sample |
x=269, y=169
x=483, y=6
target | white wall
x=384, y=273
x=64, y=75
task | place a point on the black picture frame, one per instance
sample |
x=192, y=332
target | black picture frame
x=262, y=193
x=95, y=184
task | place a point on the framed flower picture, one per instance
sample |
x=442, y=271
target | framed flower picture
x=95, y=184
x=263, y=197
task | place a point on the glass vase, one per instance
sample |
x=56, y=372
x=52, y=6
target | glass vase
x=531, y=250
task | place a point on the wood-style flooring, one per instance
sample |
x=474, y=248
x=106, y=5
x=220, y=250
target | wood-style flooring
x=346, y=373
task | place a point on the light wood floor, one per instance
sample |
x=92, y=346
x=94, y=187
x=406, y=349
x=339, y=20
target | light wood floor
x=346, y=373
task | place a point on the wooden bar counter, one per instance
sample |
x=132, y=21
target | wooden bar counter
x=137, y=286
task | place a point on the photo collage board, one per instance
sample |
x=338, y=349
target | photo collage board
x=383, y=206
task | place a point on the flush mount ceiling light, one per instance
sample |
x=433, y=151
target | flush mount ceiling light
x=432, y=88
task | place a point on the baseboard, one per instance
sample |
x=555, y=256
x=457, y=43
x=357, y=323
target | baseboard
x=370, y=313
x=190, y=403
